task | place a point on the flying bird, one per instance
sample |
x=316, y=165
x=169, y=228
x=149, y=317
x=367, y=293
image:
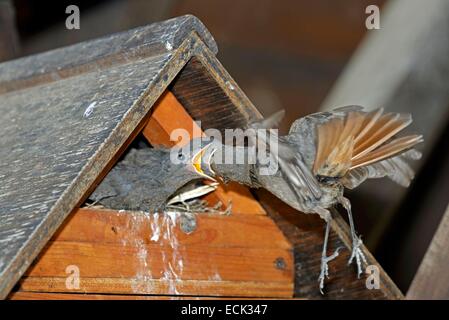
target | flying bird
x=324, y=154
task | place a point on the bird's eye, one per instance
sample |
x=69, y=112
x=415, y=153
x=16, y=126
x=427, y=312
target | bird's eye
x=181, y=156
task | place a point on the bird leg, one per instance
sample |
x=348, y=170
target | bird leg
x=325, y=214
x=357, y=252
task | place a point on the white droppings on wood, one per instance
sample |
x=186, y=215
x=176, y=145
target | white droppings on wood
x=215, y=277
x=173, y=216
x=162, y=232
x=155, y=229
x=89, y=109
x=168, y=46
x=142, y=282
x=173, y=265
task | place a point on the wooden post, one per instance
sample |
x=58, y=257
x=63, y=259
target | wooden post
x=432, y=279
x=9, y=46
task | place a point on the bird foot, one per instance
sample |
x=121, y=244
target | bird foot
x=325, y=268
x=358, y=255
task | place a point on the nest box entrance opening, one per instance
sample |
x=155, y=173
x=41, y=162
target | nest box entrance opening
x=169, y=114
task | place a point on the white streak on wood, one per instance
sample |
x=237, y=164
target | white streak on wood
x=89, y=109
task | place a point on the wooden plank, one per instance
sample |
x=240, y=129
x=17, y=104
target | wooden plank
x=66, y=132
x=27, y=295
x=169, y=115
x=188, y=287
x=138, y=253
x=109, y=260
x=432, y=280
x=110, y=226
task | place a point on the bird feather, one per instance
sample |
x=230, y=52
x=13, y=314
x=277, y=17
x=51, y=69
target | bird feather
x=351, y=139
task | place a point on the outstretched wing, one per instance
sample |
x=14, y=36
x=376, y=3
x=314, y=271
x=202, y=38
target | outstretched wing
x=355, y=145
x=292, y=167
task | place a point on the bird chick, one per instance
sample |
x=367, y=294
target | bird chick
x=149, y=179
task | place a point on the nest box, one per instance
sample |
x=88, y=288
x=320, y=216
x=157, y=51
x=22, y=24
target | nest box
x=67, y=117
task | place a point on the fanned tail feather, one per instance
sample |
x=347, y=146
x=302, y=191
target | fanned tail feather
x=356, y=145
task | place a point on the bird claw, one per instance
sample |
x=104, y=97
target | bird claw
x=358, y=255
x=325, y=268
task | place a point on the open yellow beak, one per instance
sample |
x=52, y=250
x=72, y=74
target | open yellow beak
x=197, y=160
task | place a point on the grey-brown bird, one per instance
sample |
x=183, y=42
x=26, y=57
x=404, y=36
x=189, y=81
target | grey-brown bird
x=323, y=154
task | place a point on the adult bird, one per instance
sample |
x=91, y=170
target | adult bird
x=323, y=154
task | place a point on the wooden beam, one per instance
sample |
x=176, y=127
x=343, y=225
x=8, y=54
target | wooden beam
x=137, y=253
x=26, y=295
x=432, y=279
x=169, y=115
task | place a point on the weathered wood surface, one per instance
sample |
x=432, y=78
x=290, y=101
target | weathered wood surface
x=77, y=107
x=141, y=253
x=432, y=279
x=169, y=115
x=403, y=68
x=306, y=234
x=28, y=295
x=207, y=95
